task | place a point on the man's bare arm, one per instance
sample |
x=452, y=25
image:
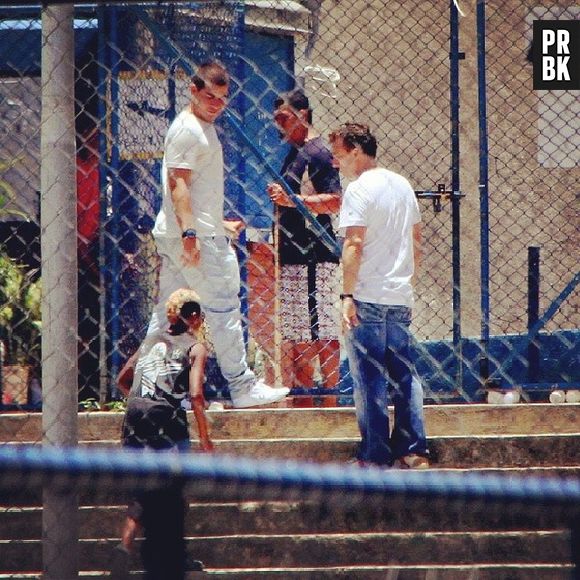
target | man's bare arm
x=179, y=185
x=322, y=202
x=198, y=357
x=351, y=260
x=317, y=202
x=125, y=377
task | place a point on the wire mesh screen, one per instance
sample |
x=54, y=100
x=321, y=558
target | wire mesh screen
x=387, y=64
x=20, y=255
x=375, y=64
x=534, y=177
x=133, y=66
x=295, y=520
x=387, y=89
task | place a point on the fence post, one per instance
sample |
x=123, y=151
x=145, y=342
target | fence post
x=59, y=278
x=533, y=312
x=455, y=187
x=483, y=192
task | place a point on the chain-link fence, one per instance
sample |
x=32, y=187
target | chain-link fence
x=395, y=68
x=533, y=202
x=447, y=89
x=314, y=538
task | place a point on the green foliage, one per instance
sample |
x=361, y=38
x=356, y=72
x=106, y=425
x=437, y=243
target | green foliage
x=7, y=193
x=20, y=319
x=20, y=295
x=116, y=406
x=33, y=300
x=90, y=405
x=94, y=405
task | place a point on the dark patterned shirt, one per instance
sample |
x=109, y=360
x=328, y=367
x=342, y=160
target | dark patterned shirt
x=298, y=243
x=162, y=367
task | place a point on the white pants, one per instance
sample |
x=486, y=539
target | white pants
x=217, y=281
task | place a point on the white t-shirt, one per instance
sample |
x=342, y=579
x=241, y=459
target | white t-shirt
x=385, y=203
x=193, y=144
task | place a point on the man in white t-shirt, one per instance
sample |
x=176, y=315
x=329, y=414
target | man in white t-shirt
x=193, y=240
x=380, y=220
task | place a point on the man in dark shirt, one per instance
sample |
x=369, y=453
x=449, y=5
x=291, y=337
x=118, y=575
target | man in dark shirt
x=308, y=269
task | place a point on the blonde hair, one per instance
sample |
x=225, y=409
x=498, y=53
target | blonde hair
x=176, y=301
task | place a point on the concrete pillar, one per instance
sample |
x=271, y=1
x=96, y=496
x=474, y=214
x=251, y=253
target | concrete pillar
x=59, y=279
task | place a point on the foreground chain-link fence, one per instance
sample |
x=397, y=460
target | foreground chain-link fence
x=485, y=316
x=447, y=89
x=506, y=523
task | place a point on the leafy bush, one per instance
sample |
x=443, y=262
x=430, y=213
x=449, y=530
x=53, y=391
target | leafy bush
x=20, y=320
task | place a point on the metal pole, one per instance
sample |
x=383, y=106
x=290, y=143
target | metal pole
x=241, y=107
x=60, y=530
x=533, y=312
x=456, y=199
x=113, y=253
x=483, y=192
x=102, y=59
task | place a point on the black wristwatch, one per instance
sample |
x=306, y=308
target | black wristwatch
x=343, y=296
x=189, y=233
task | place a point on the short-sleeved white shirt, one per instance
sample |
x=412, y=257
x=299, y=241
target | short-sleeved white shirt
x=193, y=144
x=385, y=203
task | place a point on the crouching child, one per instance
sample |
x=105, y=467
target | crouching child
x=167, y=369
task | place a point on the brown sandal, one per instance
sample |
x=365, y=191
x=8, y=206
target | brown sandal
x=414, y=461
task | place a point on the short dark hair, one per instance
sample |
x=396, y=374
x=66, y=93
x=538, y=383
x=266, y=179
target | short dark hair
x=211, y=72
x=181, y=305
x=189, y=309
x=356, y=134
x=297, y=100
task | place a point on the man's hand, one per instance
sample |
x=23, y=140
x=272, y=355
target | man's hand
x=349, y=317
x=279, y=196
x=234, y=228
x=127, y=373
x=190, y=254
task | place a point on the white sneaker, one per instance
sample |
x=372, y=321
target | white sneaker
x=259, y=394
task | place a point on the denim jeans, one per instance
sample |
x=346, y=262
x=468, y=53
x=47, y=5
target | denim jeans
x=217, y=281
x=379, y=354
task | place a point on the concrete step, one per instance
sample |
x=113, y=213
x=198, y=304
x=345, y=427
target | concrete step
x=447, y=452
x=309, y=537
x=489, y=452
x=441, y=420
x=463, y=452
x=426, y=572
x=295, y=517
x=288, y=551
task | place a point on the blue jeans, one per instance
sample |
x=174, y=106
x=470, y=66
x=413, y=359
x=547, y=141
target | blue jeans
x=379, y=354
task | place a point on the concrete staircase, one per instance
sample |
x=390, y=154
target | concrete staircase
x=311, y=538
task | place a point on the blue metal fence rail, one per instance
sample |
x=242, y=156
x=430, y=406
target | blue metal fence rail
x=127, y=470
